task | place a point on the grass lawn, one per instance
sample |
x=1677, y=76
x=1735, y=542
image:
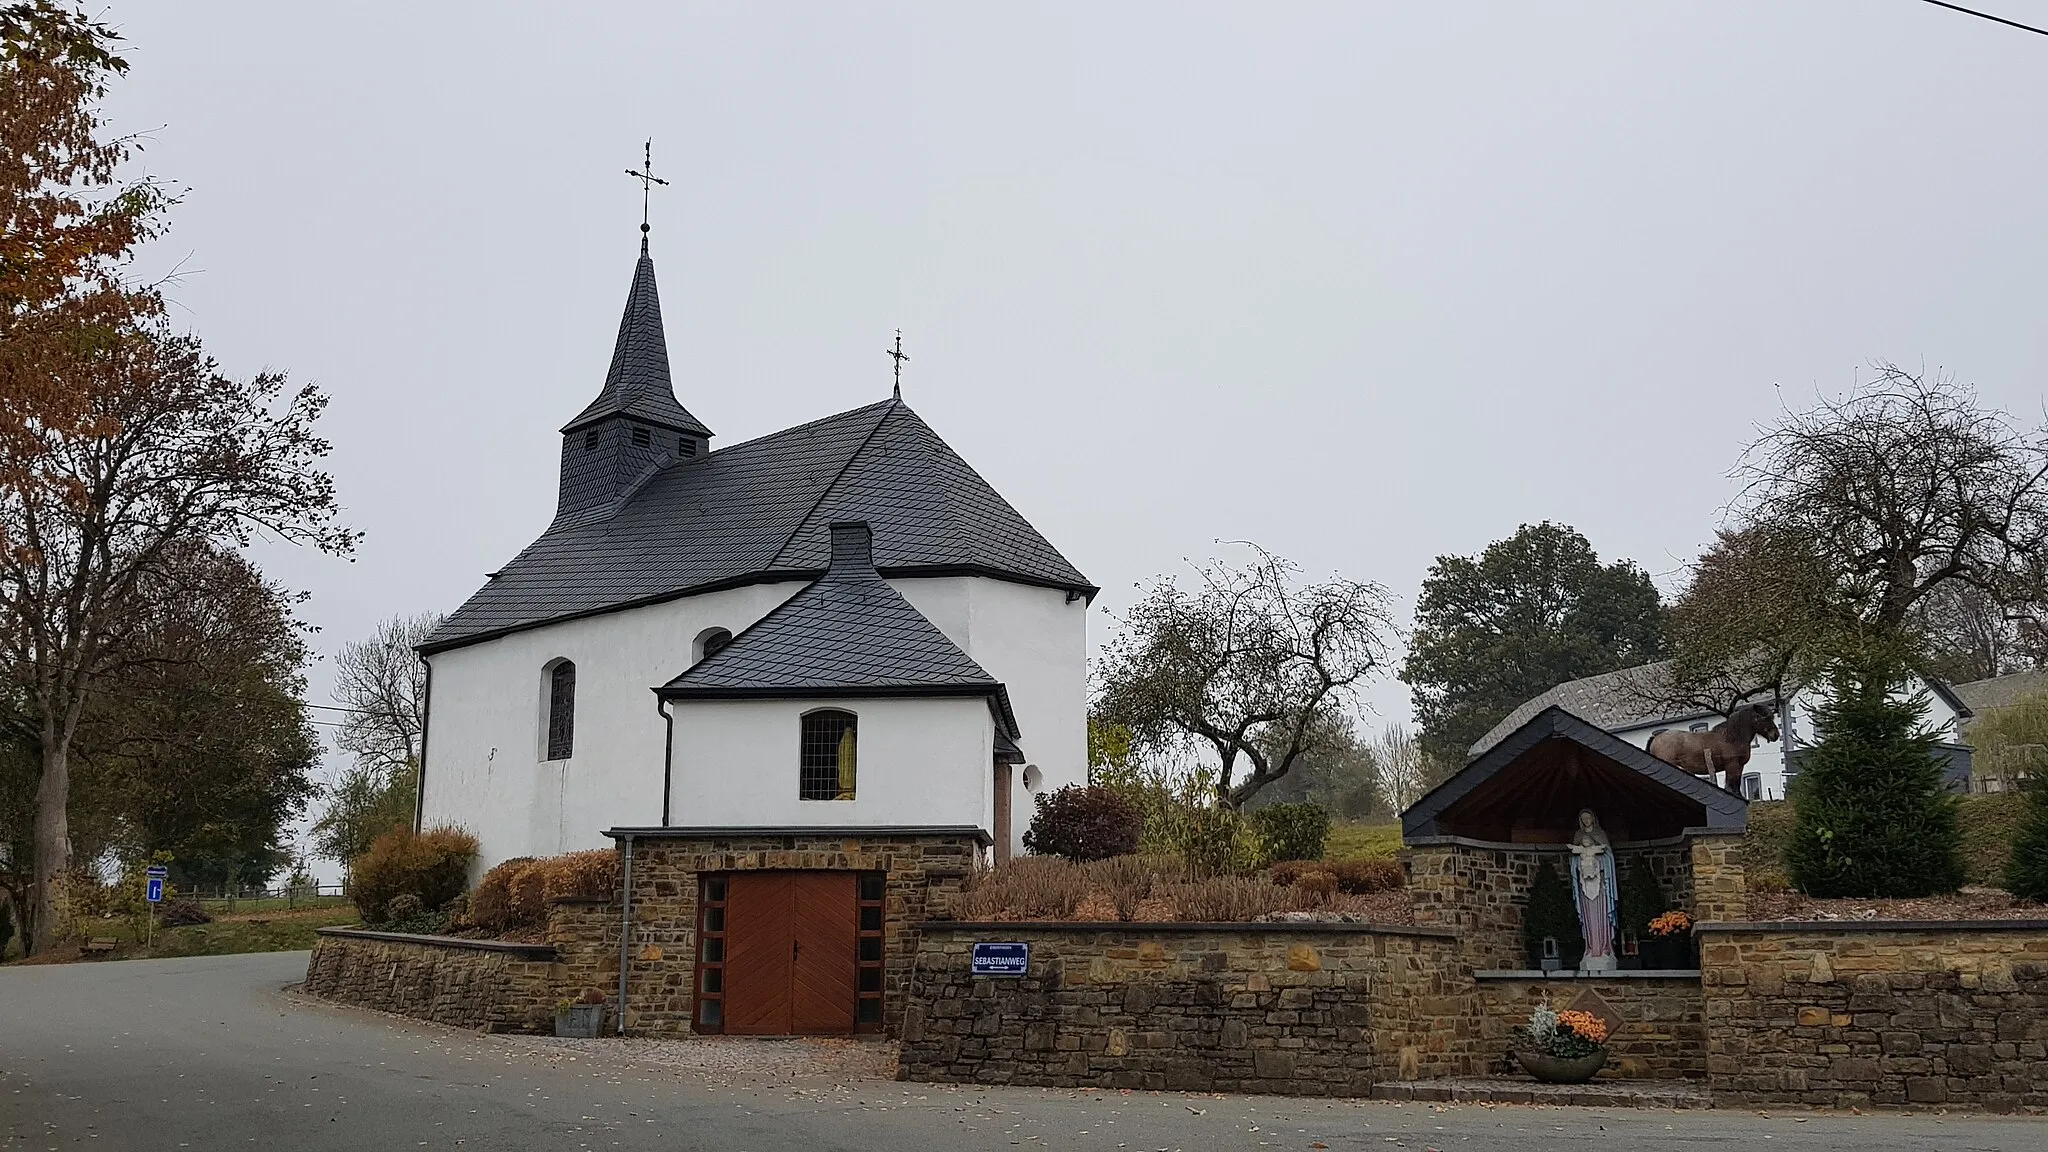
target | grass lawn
x=1349, y=841
x=288, y=931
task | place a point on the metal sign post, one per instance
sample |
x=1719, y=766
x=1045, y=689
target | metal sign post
x=156, y=874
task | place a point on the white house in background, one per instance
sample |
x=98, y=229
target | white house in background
x=840, y=625
x=1623, y=703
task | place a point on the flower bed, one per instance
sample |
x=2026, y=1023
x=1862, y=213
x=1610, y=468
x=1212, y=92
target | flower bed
x=1971, y=904
x=1156, y=889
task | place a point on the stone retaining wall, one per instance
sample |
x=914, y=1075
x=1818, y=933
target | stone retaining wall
x=1663, y=1033
x=1855, y=1014
x=1299, y=1009
x=485, y=984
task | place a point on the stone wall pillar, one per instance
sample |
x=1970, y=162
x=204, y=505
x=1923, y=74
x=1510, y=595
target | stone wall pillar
x=1719, y=890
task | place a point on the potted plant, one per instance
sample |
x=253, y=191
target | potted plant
x=581, y=1018
x=1673, y=933
x=1561, y=1047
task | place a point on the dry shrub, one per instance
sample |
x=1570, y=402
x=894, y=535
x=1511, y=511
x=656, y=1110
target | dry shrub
x=1125, y=880
x=516, y=894
x=591, y=875
x=1234, y=899
x=1321, y=884
x=1364, y=877
x=490, y=907
x=431, y=865
x=1031, y=888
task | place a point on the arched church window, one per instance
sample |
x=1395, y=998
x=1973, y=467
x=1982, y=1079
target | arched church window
x=828, y=755
x=710, y=641
x=561, y=711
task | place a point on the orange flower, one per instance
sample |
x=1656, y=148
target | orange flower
x=1585, y=1024
x=1671, y=923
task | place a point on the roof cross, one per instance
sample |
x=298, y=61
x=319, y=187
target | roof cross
x=647, y=180
x=899, y=356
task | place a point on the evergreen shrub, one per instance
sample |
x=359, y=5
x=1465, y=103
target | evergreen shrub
x=1084, y=823
x=1552, y=913
x=1291, y=831
x=432, y=866
x=1641, y=900
x=1871, y=818
x=2026, y=874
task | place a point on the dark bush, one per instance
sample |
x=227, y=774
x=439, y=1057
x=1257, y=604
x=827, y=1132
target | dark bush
x=2026, y=874
x=6, y=928
x=1291, y=831
x=181, y=913
x=432, y=866
x=1083, y=824
x=1641, y=900
x=1871, y=816
x=1552, y=913
x=404, y=906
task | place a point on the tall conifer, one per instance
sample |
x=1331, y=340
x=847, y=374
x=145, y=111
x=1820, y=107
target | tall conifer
x=1872, y=818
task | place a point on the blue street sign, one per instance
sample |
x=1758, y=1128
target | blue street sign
x=1001, y=959
x=157, y=873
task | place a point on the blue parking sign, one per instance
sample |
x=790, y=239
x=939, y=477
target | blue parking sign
x=156, y=874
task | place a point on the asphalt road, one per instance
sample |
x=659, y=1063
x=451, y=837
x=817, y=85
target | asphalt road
x=209, y=1053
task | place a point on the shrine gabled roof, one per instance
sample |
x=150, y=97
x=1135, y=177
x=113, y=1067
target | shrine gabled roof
x=1722, y=809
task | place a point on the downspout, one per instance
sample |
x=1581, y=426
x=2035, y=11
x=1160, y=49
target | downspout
x=668, y=753
x=419, y=785
x=625, y=930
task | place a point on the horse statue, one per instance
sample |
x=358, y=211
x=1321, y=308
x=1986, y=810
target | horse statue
x=1722, y=748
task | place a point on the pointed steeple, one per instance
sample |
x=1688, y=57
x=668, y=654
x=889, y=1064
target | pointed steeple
x=635, y=422
x=638, y=383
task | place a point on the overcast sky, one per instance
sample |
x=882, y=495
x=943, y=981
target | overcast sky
x=1364, y=282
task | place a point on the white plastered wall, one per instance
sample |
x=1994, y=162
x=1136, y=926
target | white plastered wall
x=486, y=766
x=922, y=761
x=486, y=762
x=1035, y=641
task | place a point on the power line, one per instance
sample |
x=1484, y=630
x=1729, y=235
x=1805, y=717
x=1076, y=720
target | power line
x=1987, y=16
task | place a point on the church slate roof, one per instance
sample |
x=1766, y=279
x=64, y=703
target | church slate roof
x=848, y=634
x=638, y=384
x=757, y=511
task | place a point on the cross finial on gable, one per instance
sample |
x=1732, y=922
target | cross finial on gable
x=647, y=180
x=900, y=356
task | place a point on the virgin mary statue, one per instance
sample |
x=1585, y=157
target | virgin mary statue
x=1593, y=892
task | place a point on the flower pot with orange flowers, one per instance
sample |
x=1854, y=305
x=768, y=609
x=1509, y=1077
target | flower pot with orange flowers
x=1565, y=1047
x=1671, y=938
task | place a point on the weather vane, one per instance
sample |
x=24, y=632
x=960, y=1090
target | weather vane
x=899, y=356
x=647, y=180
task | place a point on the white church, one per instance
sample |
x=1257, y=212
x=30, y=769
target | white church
x=839, y=625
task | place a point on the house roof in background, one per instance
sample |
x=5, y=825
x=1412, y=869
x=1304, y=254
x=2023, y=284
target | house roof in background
x=2001, y=691
x=1628, y=698
x=758, y=511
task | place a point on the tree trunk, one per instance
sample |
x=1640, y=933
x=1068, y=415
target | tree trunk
x=52, y=839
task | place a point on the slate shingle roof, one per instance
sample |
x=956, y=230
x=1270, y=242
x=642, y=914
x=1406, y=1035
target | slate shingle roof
x=848, y=633
x=1635, y=697
x=758, y=511
x=638, y=383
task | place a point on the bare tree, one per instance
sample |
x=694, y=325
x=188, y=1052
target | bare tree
x=175, y=454
x=1252, y=665
x=1404, y=770
x=1854, y=519
x=383, y=683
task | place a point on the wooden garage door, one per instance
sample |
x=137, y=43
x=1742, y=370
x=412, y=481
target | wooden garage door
x=790, y=964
